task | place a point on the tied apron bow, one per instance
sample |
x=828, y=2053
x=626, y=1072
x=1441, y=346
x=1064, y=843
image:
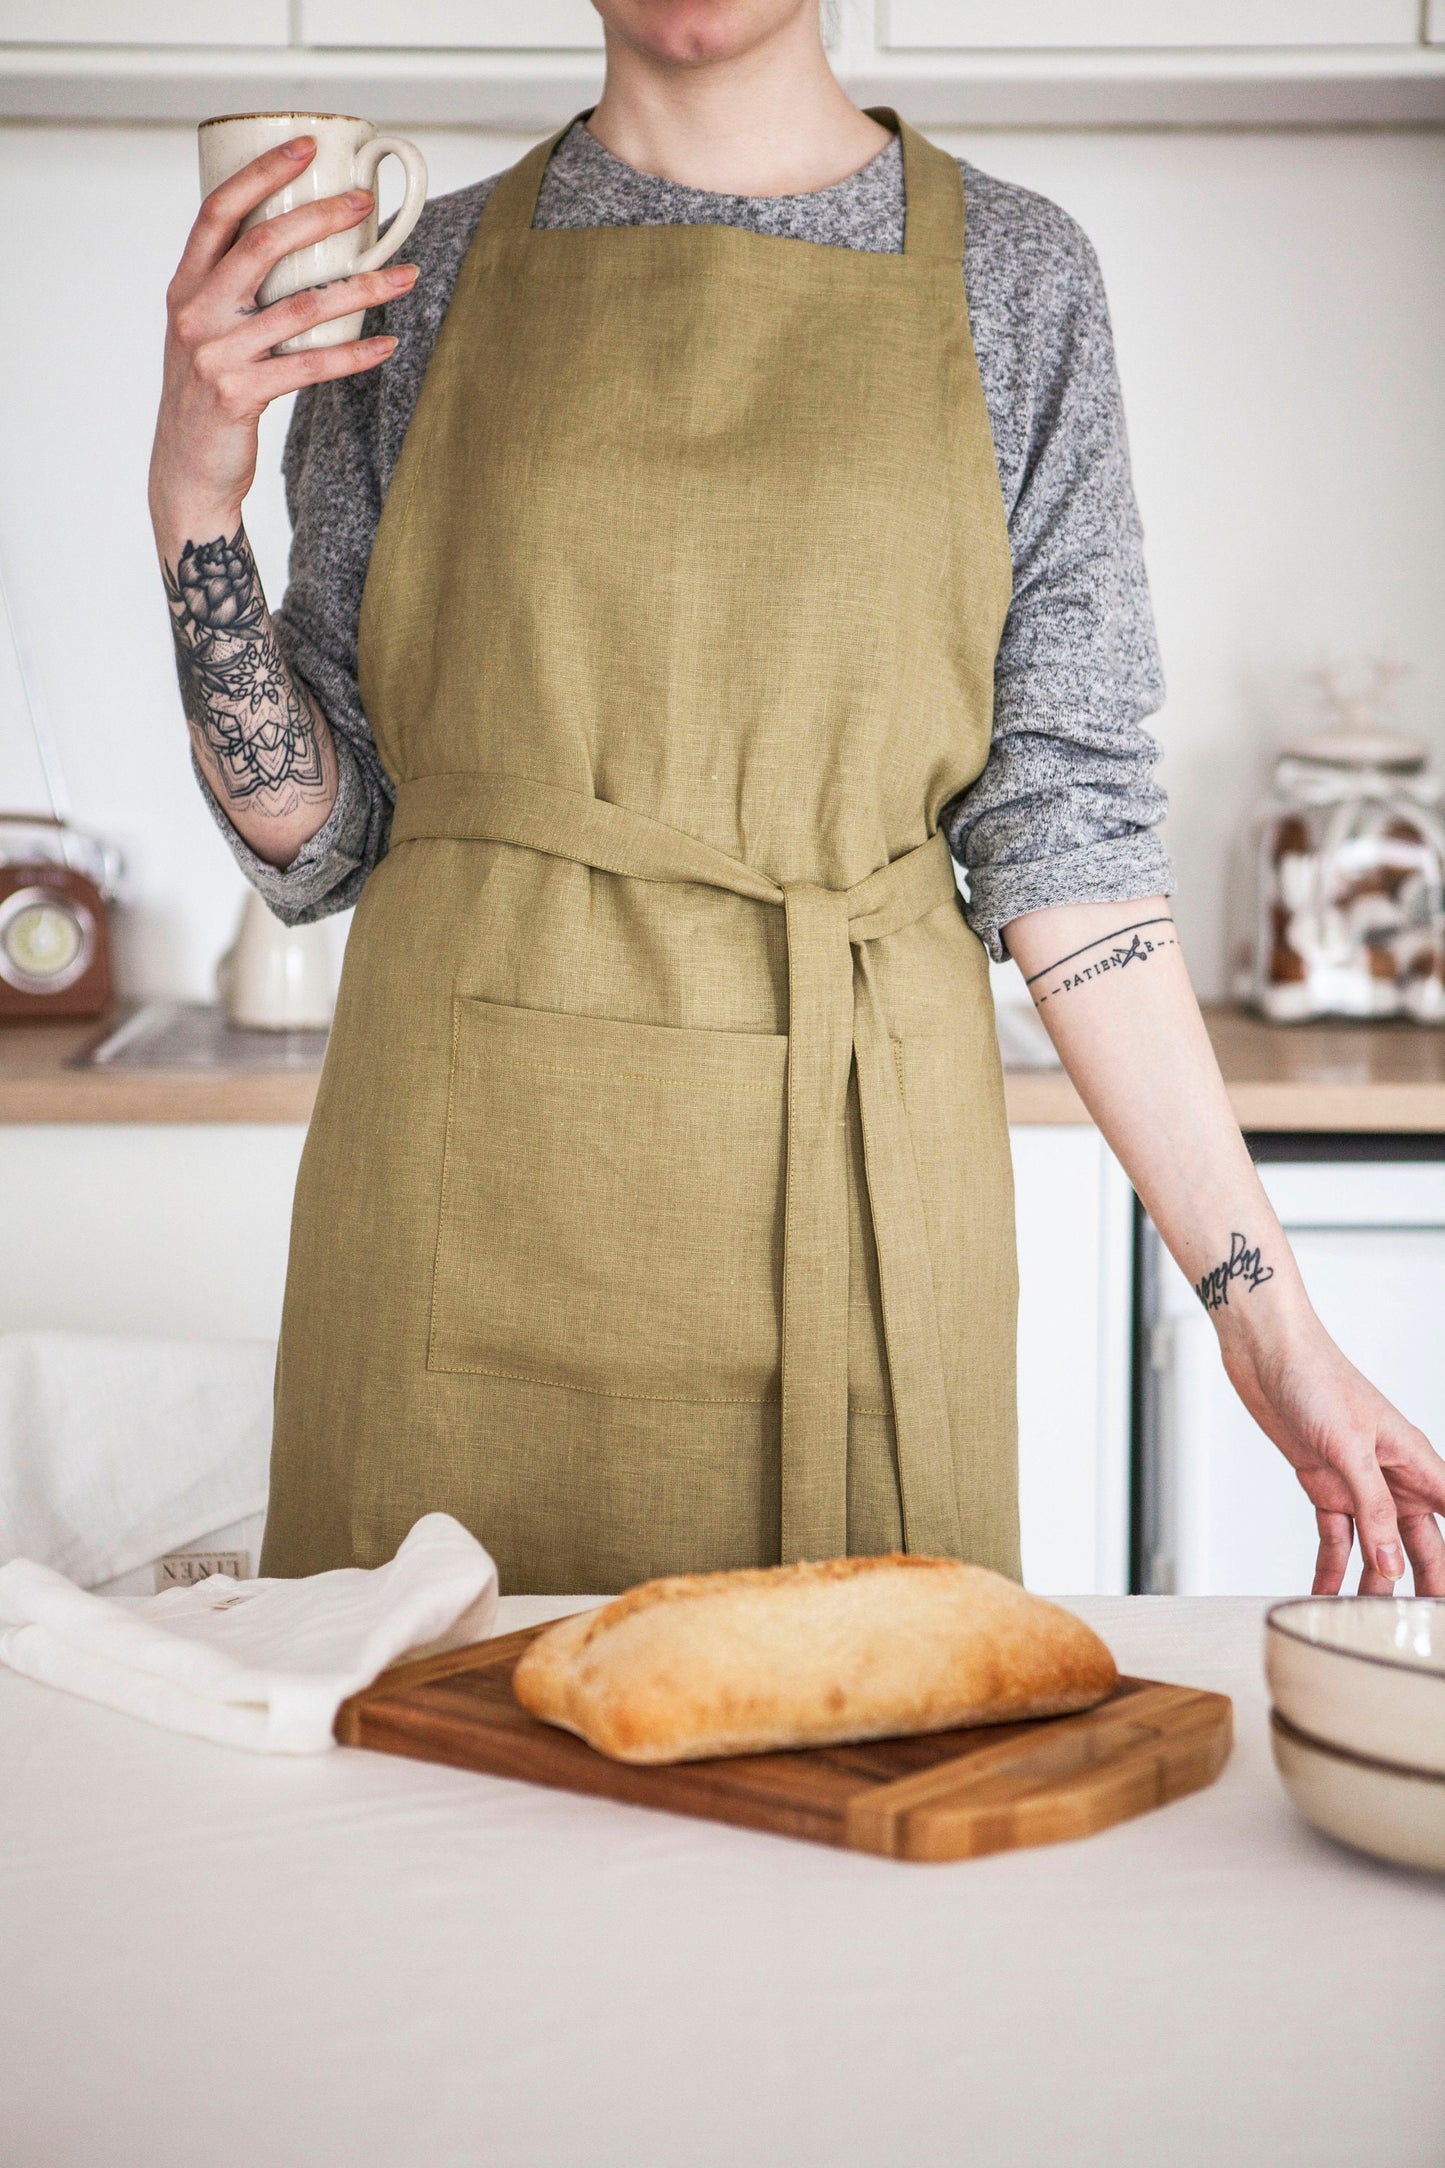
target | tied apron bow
x=835, y=1018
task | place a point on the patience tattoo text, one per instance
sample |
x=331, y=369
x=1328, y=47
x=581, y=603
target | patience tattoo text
x=1242, y=1263
x=1133, y=944
x=240, y=699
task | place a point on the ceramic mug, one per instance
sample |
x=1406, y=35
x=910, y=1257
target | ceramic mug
x=275, y=977
x=348, y=152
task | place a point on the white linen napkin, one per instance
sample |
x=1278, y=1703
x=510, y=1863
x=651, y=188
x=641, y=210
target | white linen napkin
x=257, y=1664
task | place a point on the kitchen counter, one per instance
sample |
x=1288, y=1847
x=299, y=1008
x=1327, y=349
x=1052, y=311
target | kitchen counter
x=40, y=1082
x=358, y=1959
x=1337, y=1076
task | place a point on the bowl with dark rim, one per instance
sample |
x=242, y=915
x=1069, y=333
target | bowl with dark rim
x=1394, y=1814
x=1358, y=1723
x=1365, y=1674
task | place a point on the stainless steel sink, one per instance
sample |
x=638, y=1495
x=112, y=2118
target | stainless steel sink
x=198, y=1035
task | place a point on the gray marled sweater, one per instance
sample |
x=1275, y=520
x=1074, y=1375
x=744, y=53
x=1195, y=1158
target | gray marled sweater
x=1065, y=810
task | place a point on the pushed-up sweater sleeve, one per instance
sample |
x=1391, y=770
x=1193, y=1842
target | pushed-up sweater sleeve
x=1066, y=808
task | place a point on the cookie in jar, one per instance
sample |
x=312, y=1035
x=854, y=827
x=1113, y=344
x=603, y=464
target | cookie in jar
x=1345, y=873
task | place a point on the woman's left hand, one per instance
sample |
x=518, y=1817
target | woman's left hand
x=1362, y=1466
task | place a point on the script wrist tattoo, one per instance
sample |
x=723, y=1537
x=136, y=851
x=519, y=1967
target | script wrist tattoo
x=241, y=701
x=1242, y=1263
x=1132, y=944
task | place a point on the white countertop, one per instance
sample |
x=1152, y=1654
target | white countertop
x=361, y=1962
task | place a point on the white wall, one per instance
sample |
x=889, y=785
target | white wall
x=1280, y=316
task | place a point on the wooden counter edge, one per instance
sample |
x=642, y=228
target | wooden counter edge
x=1381, y=1109
x=1033, y=1099
x=160, y=1096
x=1038, y=1097
x=1394, y=1083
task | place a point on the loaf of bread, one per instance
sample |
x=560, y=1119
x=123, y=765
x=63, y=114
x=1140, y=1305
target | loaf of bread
x=811, y=1655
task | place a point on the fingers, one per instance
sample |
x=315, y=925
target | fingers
x=213, y=306
x=239, y=391
x=207, y=305
x=1425, y=1548
x=1408, y=1471
x=1374, y=1513
x=293, y=372
x=1337, y=1539
x=1415, y=1474
x=224, y=208
x=316, y=305
x=257, y=251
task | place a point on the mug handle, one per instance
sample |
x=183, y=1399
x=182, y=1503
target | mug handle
x=413, y=203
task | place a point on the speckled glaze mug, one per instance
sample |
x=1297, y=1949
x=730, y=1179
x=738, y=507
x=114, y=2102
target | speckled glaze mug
x=348, y=152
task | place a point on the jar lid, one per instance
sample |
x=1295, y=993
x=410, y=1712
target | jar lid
x=1359, y=745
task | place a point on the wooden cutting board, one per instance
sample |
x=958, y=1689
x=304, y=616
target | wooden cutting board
x=949, y=1795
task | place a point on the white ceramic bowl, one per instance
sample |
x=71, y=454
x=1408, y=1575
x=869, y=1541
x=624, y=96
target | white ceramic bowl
x=1362, y=1673
x=1395, y=1814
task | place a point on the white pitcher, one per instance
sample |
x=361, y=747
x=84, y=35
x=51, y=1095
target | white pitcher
x=275, y=977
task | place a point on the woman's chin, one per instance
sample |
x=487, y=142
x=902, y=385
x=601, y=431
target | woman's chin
x=696, y=33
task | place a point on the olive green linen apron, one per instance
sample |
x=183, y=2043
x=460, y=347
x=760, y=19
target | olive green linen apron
x=656, y=1211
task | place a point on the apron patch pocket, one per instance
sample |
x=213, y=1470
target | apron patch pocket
x=612, y=1206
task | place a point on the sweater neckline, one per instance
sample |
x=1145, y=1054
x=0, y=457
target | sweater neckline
x=582, y=162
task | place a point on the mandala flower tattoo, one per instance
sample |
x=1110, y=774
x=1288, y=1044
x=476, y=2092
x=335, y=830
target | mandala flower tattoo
x=238, y=695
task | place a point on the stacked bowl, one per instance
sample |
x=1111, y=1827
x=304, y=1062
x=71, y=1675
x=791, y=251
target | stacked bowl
x=1358, y=1719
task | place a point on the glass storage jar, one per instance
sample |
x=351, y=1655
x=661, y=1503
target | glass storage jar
x=1343, y=882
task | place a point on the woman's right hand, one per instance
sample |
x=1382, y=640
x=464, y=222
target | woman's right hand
x=220, y=373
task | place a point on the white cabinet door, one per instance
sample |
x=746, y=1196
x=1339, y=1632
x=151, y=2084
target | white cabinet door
x=143, y=22
x=1435, y=22
x=464, y=25
x=1370, y=1240
x=175, y=1229
x=1074, y=1212
x=1093, y=24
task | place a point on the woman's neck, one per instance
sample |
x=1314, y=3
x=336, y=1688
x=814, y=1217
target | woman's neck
x=769, y=120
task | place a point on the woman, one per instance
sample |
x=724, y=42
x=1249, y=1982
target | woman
x=745, y=511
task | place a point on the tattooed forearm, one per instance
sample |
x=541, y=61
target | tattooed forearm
x=1242, y=1263
x=246, y=710
x=1132, y=944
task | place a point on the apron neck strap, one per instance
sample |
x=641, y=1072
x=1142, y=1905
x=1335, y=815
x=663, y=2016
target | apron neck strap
x=932, y=191
x=512, y=205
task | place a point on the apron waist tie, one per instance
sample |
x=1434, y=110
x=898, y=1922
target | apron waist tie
x=834, y=1018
